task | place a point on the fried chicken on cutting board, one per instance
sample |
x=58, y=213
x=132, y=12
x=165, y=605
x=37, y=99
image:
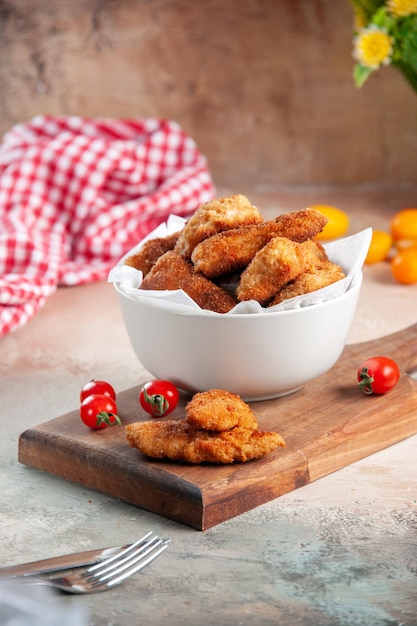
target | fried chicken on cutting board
x=219, y=427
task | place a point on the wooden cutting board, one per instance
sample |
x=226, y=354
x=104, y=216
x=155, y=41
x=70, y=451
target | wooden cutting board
x=327, y=425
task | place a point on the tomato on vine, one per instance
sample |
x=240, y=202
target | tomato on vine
x=158, y=397
x=97, y=386
x=377, y=375
x=99, y=411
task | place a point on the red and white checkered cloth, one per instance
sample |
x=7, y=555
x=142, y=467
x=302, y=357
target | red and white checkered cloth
x=76, y=194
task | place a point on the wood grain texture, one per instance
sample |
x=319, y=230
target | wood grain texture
x=327, y=425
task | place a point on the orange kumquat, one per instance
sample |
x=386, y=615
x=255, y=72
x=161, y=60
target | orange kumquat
x=379, y=248
x=404, y=266
x=337, y=224
x=404, y=225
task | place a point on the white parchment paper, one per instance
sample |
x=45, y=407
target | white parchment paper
x=349, y=252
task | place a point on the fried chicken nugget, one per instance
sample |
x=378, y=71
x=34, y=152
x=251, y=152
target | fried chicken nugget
x=169, y=439
x=322, y=276
x=219, y=427
x=238, y=444
x=231, y=251
x=150, y=252
x=280, y=261
x=172, y=272
x=219, y=410
x=180, y=441
x=213, y=217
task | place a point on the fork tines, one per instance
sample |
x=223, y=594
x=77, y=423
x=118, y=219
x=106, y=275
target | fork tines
x=114, y=570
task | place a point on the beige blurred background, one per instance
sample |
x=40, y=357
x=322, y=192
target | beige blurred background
x=263, y=86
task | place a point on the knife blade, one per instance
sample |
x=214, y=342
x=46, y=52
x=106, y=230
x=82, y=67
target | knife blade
x=58, y=563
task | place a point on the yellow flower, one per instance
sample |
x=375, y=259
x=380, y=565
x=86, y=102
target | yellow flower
x=373, y=47
x=402, y=8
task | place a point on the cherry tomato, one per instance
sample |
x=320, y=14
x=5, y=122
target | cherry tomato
x=158, y=397
x=97, y=386
x=99, y=411
x=404, y=266
x=377, y=375
x=379, y=248
x=337, y=221
x=404, y=224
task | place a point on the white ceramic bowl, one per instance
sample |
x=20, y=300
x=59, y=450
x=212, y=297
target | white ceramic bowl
x=258, y=356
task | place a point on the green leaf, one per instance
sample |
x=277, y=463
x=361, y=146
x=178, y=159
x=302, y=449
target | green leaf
x=408, y=44
x=366, y=8
x=383, y=20
x=409, y=74
x=361, y=74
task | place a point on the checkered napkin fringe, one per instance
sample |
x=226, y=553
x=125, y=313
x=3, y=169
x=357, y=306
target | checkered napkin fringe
x=76, y=194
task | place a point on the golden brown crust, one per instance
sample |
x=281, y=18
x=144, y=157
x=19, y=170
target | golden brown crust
x=238, y=444
x=179, y=441
x=307, y=282
x=172, y=272
x=300, y=225
x=214, y=217
x=280, y=261
x=150, y=252
x=219, y=410
x=219, y=262
x=208, y=434
x=231, y=251
x=168, y=439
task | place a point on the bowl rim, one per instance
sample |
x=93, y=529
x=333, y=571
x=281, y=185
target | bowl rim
x=183, y=309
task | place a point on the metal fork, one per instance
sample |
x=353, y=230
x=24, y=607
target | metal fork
x=110, y=572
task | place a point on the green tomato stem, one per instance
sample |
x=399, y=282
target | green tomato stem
x=111, y=419
x=366, y=380
x=158, y=403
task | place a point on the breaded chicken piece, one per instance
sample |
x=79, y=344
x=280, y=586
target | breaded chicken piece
x=150, y=252
x=318, y=250
x=170, y=439
x=172, y=272
x=180, y=441
x=280, y=261
x=231, y=251
x=326, y=274
x=219, y=410
x=238, y=444
x=219, y=427
x=214, y=217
